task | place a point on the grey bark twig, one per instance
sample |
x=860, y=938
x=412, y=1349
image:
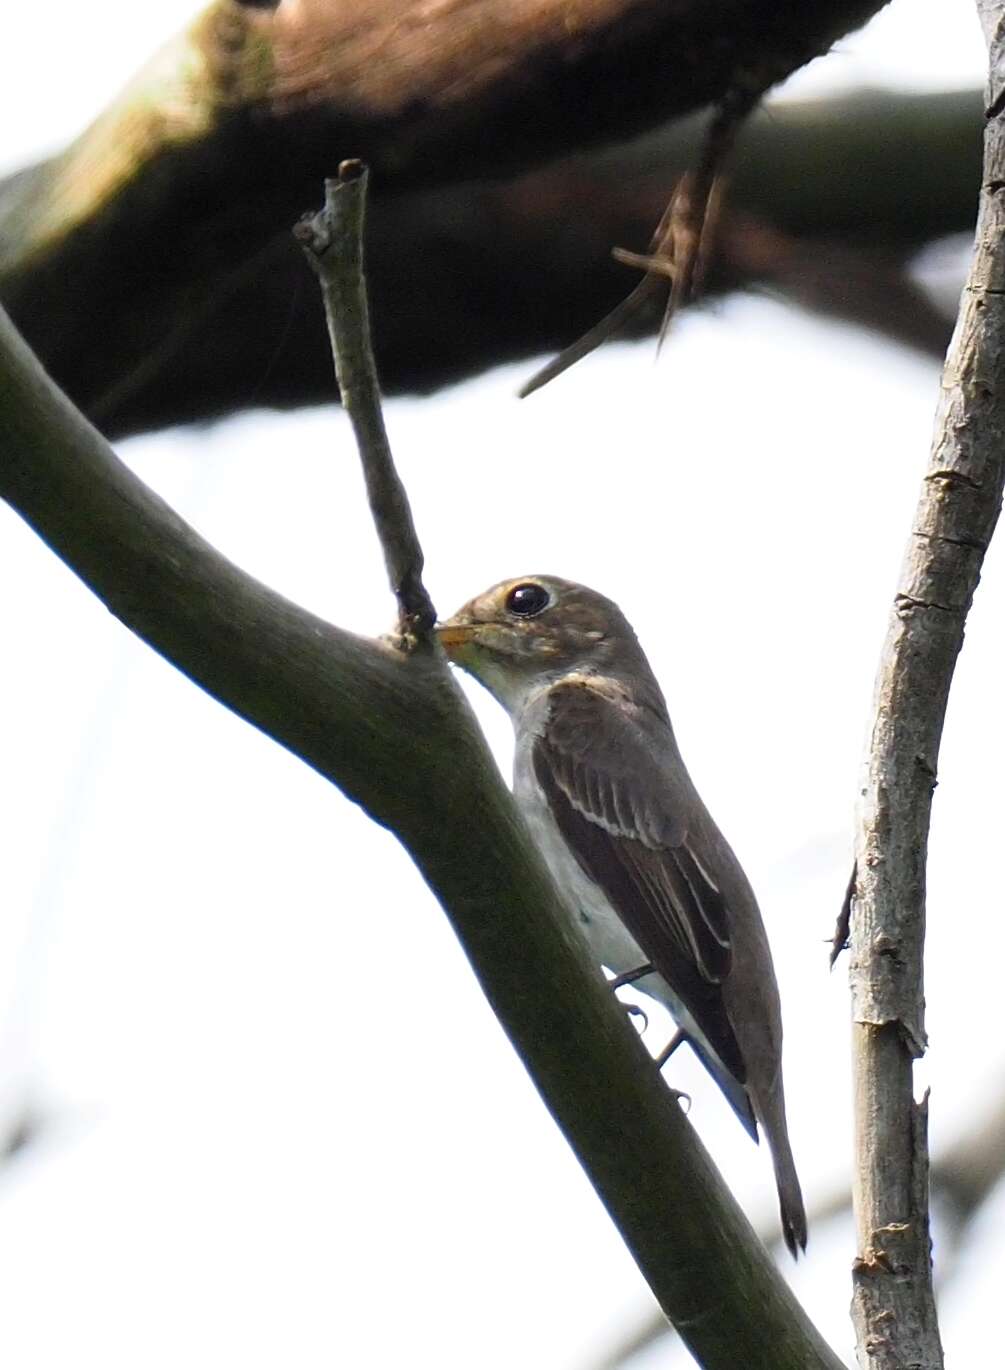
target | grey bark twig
x=333, y=244
x=893, y=1306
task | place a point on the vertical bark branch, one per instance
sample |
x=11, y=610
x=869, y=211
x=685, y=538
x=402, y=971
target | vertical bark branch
x=893, y=1306
x=333, y=244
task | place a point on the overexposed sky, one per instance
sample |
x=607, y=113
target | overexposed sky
x=281, y=1124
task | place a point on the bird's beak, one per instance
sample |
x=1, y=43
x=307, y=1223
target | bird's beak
x=454, y=637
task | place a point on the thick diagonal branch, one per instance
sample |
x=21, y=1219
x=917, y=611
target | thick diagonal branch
x=893, y=1306
x=348, y=707
x=963, y=1178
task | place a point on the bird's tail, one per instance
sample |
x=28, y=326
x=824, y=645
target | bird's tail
x=790, y=1195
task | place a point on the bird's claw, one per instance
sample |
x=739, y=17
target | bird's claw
x=670, y=1048
x=629, y=977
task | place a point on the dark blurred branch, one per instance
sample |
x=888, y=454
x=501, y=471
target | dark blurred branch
x=175, y=305
x=828, y=277
x=21, y=1132
x=970, y=1169
x=426, y=94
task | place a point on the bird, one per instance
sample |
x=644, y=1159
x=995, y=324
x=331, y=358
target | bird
x=647, y=876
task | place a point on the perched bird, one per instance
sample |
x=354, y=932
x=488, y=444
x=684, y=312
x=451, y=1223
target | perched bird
x=654, y=885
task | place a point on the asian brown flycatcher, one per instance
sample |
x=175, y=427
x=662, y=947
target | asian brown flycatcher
x=650, y=879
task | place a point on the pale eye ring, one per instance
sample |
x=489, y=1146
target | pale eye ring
x=527, y=600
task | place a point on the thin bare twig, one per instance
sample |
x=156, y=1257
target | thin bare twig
x=893, y=1306
x=679, y=246
x=333, y=244
x=594, y=337
x=695, y=209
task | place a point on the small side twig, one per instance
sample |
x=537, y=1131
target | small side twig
x=333, y=244
x=679, y=246
x=842, y=928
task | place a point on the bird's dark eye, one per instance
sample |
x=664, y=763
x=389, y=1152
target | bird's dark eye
x=527, y=600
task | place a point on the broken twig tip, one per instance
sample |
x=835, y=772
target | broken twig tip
x=312, y=233
x=842, y=932
x=644, y=261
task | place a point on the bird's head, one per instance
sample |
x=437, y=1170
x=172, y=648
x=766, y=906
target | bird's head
x=524, y=633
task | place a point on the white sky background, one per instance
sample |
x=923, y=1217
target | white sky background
x=282, y=1126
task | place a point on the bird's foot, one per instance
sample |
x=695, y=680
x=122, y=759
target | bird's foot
x=664, y=1056
x=630, y=976
x=670, y=1048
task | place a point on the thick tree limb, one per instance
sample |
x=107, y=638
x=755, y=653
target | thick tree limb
x=893, y=1306
x=348, y=707
x=175, y=294
x=964, y=1176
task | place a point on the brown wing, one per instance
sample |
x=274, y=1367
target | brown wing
x=618, y=790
